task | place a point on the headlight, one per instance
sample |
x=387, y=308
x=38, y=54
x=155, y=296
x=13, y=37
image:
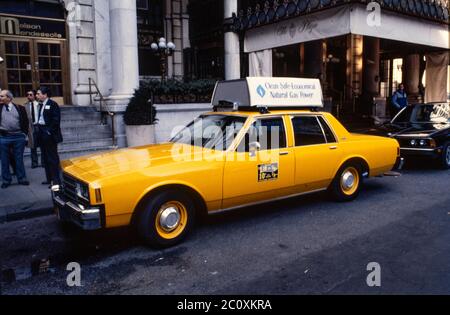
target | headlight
x=413, y=143
x=423, y=143
x=82, y=190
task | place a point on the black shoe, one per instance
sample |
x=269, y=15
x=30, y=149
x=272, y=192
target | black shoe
x=24, y=183
x=45, y=183
x=5, y=185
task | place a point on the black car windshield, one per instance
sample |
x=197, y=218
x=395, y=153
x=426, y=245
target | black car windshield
x=211, y=131
x=429, y=113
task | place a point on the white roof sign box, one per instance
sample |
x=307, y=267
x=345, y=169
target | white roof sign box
x=270, y=92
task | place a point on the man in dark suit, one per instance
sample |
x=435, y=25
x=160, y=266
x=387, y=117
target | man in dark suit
x=13, y=132
x=49, y=135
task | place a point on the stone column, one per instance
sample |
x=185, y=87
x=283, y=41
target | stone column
x=232, y=47
x=371, y=74
x=313, y=59
x=371, y=68
x=124, y=57
x=411, y=74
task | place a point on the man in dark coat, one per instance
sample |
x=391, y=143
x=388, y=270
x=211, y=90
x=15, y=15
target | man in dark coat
x=49, y=135
x=14, y=127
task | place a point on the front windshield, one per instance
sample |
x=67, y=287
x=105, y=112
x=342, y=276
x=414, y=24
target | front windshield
x=211, y=131
x=429, y=113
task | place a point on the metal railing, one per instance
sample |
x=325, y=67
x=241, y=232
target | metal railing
x=104, y=113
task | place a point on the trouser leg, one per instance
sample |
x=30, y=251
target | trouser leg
x=34, y=157
x=5, y=159
x=18, y=149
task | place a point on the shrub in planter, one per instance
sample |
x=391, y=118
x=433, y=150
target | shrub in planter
x=140, y=110
x=140, y=119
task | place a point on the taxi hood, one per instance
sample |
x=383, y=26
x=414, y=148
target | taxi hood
x=98, y=166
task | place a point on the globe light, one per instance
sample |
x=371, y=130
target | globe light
x=154, y=46
x=162, y=45
x=162, y=39
x=171, y=46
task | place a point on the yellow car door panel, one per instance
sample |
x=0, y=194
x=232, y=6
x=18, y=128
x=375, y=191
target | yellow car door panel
x=261, y=173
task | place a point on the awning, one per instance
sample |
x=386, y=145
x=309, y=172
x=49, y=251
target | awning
x=349, y=19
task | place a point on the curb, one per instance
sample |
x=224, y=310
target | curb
x=23, y=215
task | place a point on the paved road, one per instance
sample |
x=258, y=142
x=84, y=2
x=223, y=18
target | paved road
x=303, y=245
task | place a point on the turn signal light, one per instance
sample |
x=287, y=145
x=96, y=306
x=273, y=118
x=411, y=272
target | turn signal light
x=98, y=195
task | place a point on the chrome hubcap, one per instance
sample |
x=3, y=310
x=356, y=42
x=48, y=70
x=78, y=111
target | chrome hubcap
x=348, y=180
x=170, y=219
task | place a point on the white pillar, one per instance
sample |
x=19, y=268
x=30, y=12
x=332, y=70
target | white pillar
x=124, y=61
x=124, y=48
x=232, y=49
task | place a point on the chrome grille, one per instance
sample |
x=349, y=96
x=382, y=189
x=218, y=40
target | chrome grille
x=70, y=190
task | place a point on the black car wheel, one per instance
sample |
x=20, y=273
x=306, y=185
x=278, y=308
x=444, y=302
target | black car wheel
x=445, y=158
x=347, y=183
x=166, y=218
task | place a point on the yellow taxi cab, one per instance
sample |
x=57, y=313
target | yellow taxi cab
x=265, y=140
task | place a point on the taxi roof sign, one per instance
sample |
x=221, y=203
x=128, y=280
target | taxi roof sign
x=269, y=92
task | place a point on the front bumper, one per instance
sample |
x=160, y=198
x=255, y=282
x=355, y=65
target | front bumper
x=421, y=152
x=87, y=218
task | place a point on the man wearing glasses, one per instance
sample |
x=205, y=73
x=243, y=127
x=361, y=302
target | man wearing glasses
x=32, y=107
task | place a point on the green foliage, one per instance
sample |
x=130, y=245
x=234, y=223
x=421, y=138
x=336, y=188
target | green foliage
x=139, y=110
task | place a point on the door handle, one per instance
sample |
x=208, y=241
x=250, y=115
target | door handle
x=284, y=153
x=333, y=147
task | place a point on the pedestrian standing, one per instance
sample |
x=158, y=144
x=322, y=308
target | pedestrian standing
x=13, y=132
x=32, y=107
x=399, y=100
x=49, y=135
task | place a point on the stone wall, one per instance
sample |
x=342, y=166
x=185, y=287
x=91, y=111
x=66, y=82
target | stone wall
x=171, y=116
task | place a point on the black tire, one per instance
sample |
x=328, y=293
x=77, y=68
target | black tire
x=149, y=225
x=337, y=189
x=444, y=161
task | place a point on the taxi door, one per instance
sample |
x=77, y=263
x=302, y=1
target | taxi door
x=262, y=167
x=317, y=152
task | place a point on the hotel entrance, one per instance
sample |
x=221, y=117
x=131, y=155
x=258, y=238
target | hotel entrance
x=30, y=63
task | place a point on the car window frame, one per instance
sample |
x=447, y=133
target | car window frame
x=250, y=124
x=321, y=128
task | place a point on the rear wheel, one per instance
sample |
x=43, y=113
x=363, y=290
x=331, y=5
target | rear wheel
x=166, y=218
x=347, y=183
x=445, y=158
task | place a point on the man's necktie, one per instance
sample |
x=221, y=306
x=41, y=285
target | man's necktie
x=40, y=111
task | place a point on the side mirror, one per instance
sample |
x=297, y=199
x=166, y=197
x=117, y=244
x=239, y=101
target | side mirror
x=253, y=148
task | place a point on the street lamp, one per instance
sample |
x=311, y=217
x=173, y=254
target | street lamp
x=1, y=60
x=163, y=50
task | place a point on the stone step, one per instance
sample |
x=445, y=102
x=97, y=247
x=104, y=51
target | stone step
x=99, y=134
x=84, y=144
x=83, y=130
x=79, y=123
x=65, y=155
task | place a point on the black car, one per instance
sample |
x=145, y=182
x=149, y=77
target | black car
x=423, y=130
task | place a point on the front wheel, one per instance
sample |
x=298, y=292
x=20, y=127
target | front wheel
x=347, y=183
x=445, y=158
x=166, y=218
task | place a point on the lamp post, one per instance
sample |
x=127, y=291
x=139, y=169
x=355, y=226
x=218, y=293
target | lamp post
x=163, y=50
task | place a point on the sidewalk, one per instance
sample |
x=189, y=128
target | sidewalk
x=19, y=202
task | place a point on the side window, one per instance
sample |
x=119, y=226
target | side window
x=269, y=132
x=328, y=133
x=307, y=131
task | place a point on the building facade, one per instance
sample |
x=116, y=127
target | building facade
x=359, y=49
